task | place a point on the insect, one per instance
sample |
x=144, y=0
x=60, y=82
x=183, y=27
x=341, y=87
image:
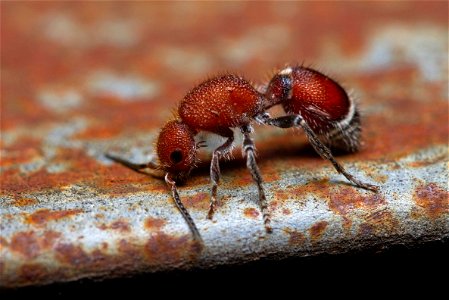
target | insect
x=311, y=100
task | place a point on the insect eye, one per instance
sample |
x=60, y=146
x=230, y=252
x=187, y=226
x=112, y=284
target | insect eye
x=176, y=156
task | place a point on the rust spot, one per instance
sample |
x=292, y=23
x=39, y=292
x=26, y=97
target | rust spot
x=26, y=244
x=128, y=250
x=347, y=199
x=379, y=222
x=101, y=261
x=274, y=205
x=154, y=223
x=104, y=246
x=111, y=180
x=296, y=238
x=42, y=216
x=99, y=132
x=24, y=202
x=366, y=230
x=317, y=230
x=32, y=273
x=434, y=160
x=200, y=201
x=72, y=255
x=286, y=211
x=251, y=213
x=320, y=188
x=120, y=225
x=2, y=267
x=281, y=195
x=129, y=115
x=22, y=151
x=49, y=238
x=3, y=243
x=240, y=178
x=407, y=136
x=162, y=248
x=433, y=199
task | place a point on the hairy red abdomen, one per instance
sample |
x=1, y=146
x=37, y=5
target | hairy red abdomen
x=317, y=98
x=220, y=103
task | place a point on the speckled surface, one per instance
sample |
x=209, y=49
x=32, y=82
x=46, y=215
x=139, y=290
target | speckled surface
x=80, y=79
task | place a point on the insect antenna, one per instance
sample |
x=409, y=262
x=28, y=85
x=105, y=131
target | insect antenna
x=139, y=168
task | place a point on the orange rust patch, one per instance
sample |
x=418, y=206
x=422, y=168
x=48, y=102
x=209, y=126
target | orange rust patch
x=251, y=213
x=29, y=244
x=128, y=249
x=101, y=261
x=104, y=246
x=112, y=180
x=433, y=199
x=240, y=178
x=406, y=137
x=281, y=195
x=200, y=201
x=43, y=216
x=99, y=132
x=72, y=255
x=129, y=115
x=286, y=211
x=120, y=225
x=22, y=151
x=269, y=174
x=379, y=222
x=162, y=248
x=31, y=273
x=26, y=244
x=24, y=202
x=3, y=242
x=273, y=205
x=317, y=230
x=434, y=160
x=49, y=238
x=2, y=267
x=320, y=187
x=154, y=223
x=296, y=238
x=346, y=199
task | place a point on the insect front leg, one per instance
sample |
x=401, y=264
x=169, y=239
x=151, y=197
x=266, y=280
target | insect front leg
x=172, y=185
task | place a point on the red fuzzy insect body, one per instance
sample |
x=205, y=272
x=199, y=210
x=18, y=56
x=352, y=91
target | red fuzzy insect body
x=321, y=101
x=219, y=104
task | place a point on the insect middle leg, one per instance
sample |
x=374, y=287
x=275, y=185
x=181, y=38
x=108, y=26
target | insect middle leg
x=215, y=168
x=248, y=150
x=323, y=151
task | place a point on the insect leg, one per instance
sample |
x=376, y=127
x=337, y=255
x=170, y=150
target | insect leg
x=323, y=151
x=215, y=170
x=248, y=151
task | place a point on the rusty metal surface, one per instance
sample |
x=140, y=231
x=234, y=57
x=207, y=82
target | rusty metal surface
x=79, y=79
